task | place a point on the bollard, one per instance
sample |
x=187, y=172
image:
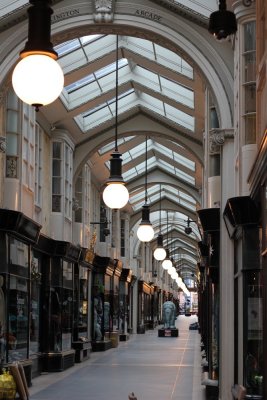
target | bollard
x=132, y=396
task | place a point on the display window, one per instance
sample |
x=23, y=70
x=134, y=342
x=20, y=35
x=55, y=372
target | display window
x=253, y=332
x=100, y=312
x=35, y=307
x=14, y=300
x=83, y=303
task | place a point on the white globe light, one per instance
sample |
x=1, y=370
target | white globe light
x=159, y=253
x=145, y=233
x=115, y=195
x=179, y=281
x=38, y=79
x=166, y=264
x=174, y=275
x=171, y=269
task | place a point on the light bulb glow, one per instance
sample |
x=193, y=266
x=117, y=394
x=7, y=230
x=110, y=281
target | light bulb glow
x=159, y=253
x=145, y=232
x=171, y=269
x=174, y=275
x=115, y=195
x=179, y=281
x=38, y=79
x=166, y=264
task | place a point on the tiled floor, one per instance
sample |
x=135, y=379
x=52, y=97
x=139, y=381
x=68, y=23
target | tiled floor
x=152, y=367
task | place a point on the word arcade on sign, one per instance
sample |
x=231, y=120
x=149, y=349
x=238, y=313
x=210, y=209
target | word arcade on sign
x=148, y=15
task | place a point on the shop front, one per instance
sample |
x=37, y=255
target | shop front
x=57, y=303
x=81, y=340
x=242, y=219
x=19, y=323
x=102, y=303
x=144, y=317
x=124, y=310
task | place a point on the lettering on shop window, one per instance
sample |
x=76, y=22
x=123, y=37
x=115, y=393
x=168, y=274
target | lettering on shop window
x=148, y=15
x=65, y=14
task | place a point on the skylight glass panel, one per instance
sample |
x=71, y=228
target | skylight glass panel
x=67, y=47
x=71, y=45
x=136, y=151
x=94, y=118
x=138, y=169
x=175, y=156
x=183, y=119
x=110, y=146
x=96, y=75
x=173, y=170
x=163, y=56
x=179, y=92
x=204, y=7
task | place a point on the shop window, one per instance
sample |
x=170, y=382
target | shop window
x=67, y=305
x=18, y=298
x=253, y=333
x=83, y=303
x=35, y=306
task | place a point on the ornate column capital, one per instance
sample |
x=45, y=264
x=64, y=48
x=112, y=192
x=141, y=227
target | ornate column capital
x=217, y=138
x=104, y=10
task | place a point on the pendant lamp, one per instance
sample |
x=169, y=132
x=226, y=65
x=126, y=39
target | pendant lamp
x=166, y=264
x=115, y=194
x=37, y=78
x=159, y=252
x=222, y=23
x=145, y=231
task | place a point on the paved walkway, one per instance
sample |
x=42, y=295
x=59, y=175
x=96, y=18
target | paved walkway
x=152, y=367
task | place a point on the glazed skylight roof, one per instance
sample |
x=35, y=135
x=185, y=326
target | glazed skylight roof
x=139, y=86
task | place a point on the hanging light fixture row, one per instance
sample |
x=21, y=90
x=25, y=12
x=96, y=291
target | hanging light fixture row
x=38, y=80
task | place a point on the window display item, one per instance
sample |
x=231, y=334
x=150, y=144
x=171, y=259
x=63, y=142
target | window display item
x=8, y=386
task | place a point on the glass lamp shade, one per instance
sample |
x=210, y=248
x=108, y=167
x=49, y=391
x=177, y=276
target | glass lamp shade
x=159, y=253
x=145, y=232
x=166, y=264
x=174, y=275
x=179, y=281
x=38, y=80
x=115, y=195
x=171, y=269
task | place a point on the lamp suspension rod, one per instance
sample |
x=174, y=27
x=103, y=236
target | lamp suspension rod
x=222, y=5
x=146, y=174
x=116, y=93
x=160, y=208
x=167, y=230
